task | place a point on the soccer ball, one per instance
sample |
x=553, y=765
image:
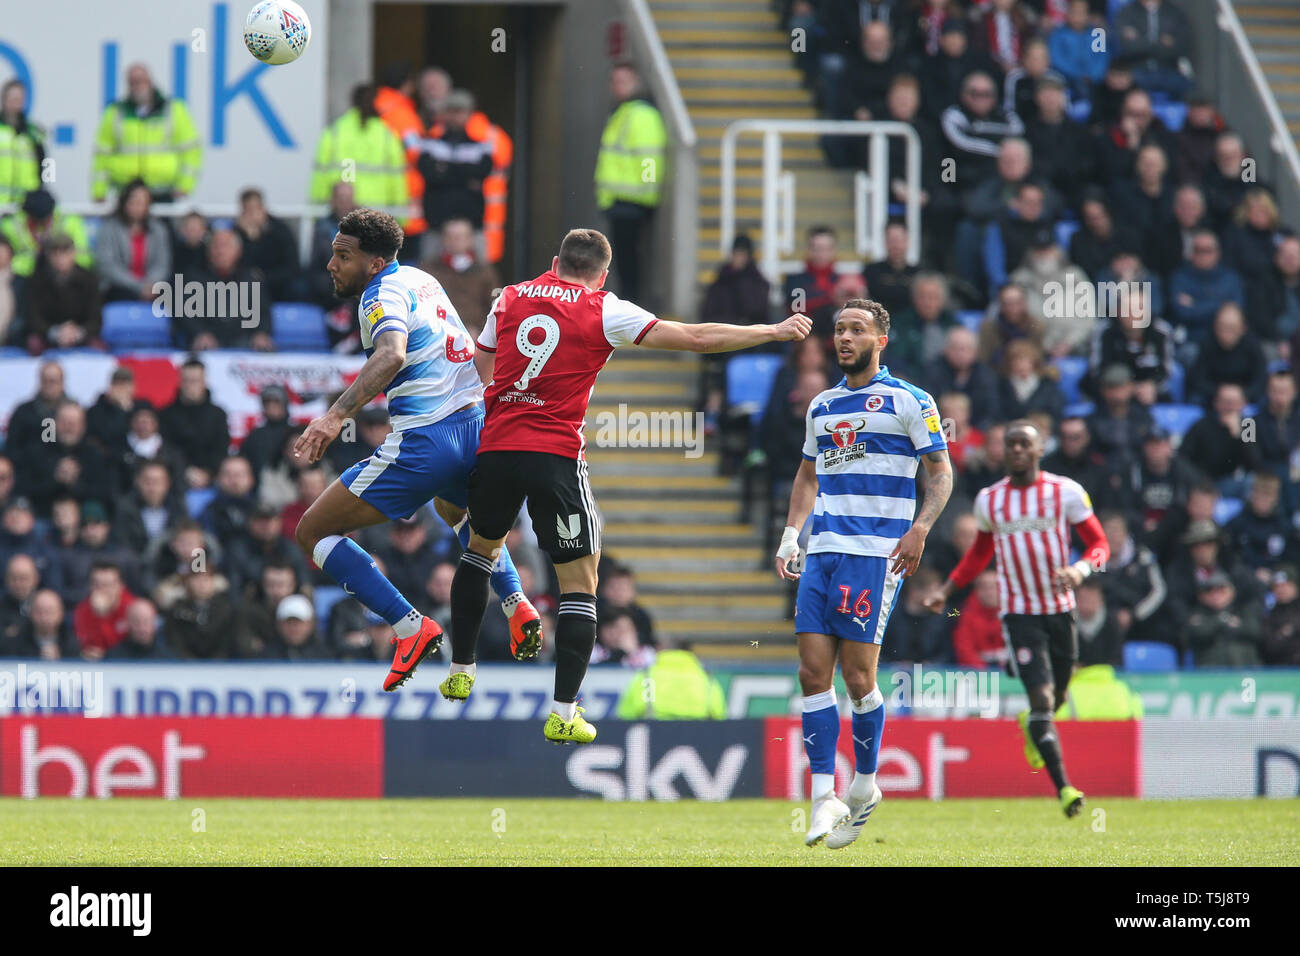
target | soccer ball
x=277, y=31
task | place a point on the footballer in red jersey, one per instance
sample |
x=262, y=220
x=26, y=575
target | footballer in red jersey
x=543, y=345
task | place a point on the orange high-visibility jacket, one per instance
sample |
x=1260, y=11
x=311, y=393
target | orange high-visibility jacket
x=399, y=114
x=494, y=185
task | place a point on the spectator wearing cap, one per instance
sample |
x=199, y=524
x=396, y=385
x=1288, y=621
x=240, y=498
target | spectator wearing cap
x=265, y=443
x=372, y=428
x=976, y=126
x=145, y=443
x=1065, y=154
x=1200, y=287
x=1215, y=445
x=133, y=248
x=917, y=332
x=453, y=164
x=201, y=623
x=21, y=583
x=1282, y=628
x=144, y=635
x=1273, y=303
x=226, y=516
x=109, y=419
x=28, y=230
x=812, y=291
x=1158, y=483
x=196, y=426
x=1232, y=354
x=96, y=544
x=295, y=631
x=1119, y=421
x=1194, y=153
x=45, y=634
x=258, y=602
x=1097, y=240
x=1049, y=278
x=187, y=546
x=467, y=280
x=1021, y=81
x=1026, y=386
x=739, y=295
x=1224, y=629
x=1101, y=639
x=1134, y=584
x=960, y=369
x=889, y=280
x=1202, y=555
x=1261, y=533
x=1277, y=425
x=69, y=464
x=1137, y=340
x=151, y=510
x=263, y=544
x=27, y=423
x=1008, y=320
x=63, y=306
x=1072, y=48
x=18, y=535
x=99, y=621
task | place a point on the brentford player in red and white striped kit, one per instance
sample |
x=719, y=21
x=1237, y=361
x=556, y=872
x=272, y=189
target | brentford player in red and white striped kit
x=1025, y=521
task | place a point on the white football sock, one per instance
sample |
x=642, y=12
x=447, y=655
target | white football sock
x=512, y=601
x=470, y=669
x=866, y=705
x=823, y=785
x=409, y=625
x=862, y=786
x=565, y=710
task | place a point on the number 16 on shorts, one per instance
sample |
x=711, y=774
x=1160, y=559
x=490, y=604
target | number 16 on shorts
x=849, y=596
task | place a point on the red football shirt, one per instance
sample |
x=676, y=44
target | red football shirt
x=551, y=339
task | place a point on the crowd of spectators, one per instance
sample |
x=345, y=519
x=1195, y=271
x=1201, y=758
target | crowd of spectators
x=1173, y=402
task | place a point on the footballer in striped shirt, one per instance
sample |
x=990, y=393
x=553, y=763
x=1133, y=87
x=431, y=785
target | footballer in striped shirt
x=1025, y=520
x=858, y=480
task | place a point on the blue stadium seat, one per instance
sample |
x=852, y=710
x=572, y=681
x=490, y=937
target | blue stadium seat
x=1249, y=410
x=1173, y=115
x=1079, y=410
x=1065, y=231
x=325, y=599
x=299, y=327
x=197, y=499
x=1189, y=660
x=971, y=318
x=1225, y=509
x=1072, y=369
x=1113, y=7
x=1080, y=110
x=130, y=325
x=12, y=351
x=749, y=382
x=1177, y=381
x=1176, y=419
x=1149, y=656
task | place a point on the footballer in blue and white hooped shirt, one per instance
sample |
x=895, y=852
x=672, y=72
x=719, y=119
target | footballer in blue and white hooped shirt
x=864, y=439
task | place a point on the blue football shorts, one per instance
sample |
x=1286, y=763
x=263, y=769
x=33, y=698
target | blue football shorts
x=850, y=596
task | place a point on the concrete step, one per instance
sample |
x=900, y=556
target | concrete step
x=653, y=534
x=650, y=462
x=664, y=390
x=737, y=582
x=666, y=510
x=703, y=17
x=765, y=608
x=741, y=98
x=740, y=74
x=726, y=631
x=734, y=37
x=705, y=557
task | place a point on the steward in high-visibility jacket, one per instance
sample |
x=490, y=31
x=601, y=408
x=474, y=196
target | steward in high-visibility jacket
x=675, y=687
x=22, y=150
x=495, y=185
x=26, y=231
x=157, y=142
x=374, y=157
x=630, y=164
x=399, y=114
x=1096, y=693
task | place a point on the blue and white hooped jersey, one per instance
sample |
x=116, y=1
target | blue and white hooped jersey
x=438, y=376
x=867, y=442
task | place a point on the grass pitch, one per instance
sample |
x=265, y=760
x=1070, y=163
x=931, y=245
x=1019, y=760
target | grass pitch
x=415, y=832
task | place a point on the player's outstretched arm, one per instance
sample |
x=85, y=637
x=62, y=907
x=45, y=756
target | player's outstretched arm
x=720, y=337
x=938, y=488
x=802, y=498
x=374, y=377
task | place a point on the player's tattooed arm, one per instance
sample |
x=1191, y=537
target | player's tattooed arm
x=374, y=377
x=938, y=488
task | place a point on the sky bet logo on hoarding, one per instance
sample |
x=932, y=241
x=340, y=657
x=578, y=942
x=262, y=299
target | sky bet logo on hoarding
x=205, y=48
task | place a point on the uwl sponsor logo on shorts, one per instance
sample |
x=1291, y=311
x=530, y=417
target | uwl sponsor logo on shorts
x=1073, y=299
x=209, y=300
x=75, y=908
x=950, y=693
x=660, y=429
x=32, y=690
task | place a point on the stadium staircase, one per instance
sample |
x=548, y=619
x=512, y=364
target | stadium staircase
x=701, y=572
x=1273, y=28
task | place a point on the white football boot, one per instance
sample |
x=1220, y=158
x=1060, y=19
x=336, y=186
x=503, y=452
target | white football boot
x=826, y=813
x=847, y=830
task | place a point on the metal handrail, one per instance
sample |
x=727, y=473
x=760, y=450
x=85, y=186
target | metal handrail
x=683, y=128
x=771, y=262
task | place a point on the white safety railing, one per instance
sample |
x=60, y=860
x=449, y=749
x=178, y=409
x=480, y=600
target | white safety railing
x=1280, y=139
x=870, y=196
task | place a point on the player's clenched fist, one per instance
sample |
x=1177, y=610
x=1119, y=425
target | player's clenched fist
x=795, y=328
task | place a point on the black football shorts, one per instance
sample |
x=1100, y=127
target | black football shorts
x=1044, y=647
x=559, y=497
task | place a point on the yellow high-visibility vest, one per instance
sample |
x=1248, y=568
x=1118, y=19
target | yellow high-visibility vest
x=630, y=164
x=162, y=148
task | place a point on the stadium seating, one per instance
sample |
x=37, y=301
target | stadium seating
x=1225, y=509
x=1173, y=115
x=1080, y=111
x=1065, y=231
x=749, y=383
x=971, y=318
x=1072, y=369
x=12, y=351
x=1079, y=409
x=299, y=327
x=1149, y=656
x=197, y=499
x=325, y=599
x=1176, y=419
x=134, y=325
x=1177, y=381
